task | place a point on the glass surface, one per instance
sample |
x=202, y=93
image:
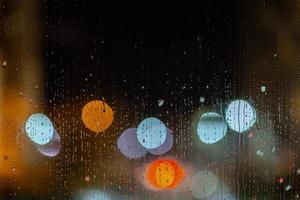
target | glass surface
x=219, y=81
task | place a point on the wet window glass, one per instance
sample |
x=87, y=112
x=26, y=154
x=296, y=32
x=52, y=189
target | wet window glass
x=149, y=101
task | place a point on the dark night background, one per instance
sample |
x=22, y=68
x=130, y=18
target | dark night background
x=134, y=54
x=161, y=46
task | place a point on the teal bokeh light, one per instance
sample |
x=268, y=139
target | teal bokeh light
x=93, y=194
x=39, y=128
x=151, y=133
x=204, y=184
x=240, y=116
x=211, y=128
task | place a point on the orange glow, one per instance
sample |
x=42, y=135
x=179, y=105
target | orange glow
x=179, y=174
x=97, y=116
x=165, y=174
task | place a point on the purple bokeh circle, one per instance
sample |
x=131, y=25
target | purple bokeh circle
x=52, y=148
x=165, y=147
x=129, y=145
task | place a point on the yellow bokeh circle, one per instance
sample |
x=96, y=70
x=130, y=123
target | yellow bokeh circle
x=97, y=116
x=164, y=175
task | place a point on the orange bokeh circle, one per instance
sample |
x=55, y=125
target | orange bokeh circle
x=165, y=174
x=97, y=116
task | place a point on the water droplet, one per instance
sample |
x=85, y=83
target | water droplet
x=280, y=180
x=4, y=64
x=288, y=187
x=161, y=102
x=202, y=99
x=263, y=88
